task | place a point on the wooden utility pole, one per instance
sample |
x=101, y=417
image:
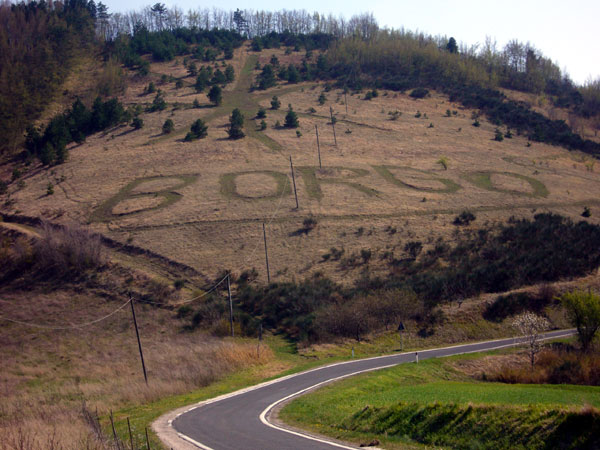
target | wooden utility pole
x=332, y=125
x=230, y=305
x=346, y=100
x=147, y=440
x=318, y=146
x=137, y=333
x=259, y=339
x=294, y=181
x=266, y=254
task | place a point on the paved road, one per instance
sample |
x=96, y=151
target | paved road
x=241, y=421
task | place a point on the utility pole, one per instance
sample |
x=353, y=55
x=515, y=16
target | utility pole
x=318, y=146
x=332, y=125
x=259, y=340
x=266, y=254
x=346, y=100
x=230, y=305
x=137, y=333
x=294, y=181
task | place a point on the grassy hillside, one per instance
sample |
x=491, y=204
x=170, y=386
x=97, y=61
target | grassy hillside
x=380, y=187
x=433, y=403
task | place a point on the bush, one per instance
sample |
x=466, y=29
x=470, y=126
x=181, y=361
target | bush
x=50, y=189
x=263, y=125
x=275, y=103
x=464, y=218
x=498, y=136
x=419, y=93
x=168, y=126
x=198, y=130
x=137, y=123
x=586, y=212
x=322, y=99
x=513, y=304
x=3, y=187
x=67, y=251
x=261, y=114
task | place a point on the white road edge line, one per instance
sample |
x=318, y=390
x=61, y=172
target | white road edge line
x=263, y=415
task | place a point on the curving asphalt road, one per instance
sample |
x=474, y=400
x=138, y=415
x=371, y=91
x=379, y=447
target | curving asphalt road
x=241, y=420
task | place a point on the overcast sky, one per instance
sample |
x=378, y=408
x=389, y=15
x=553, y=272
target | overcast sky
x=565, y=31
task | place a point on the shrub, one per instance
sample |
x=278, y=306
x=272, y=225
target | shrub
x=263, y=125
x=419, y=93
x=137, y=123
x=3, y=187
x=196, y=103
x=67, y=251
x=418, y=114
x=198, y=130
x=168, y=126
x=498, y=136
x=394, y=115
x=322, y=99
x=476, y=123
x=261, y=114
x=443, y=161
x=178, y=84
x=159, y=103
x=50, y=189
x=275, y=103
x=298, y=133
x=179, y=284
x=464, y=218
x=586, y=212
x=516, y=303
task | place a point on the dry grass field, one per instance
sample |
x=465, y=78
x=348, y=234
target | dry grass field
x=203, y=203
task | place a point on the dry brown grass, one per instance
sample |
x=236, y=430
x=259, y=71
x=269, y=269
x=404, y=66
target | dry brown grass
x=47, y=375
x=211, y=231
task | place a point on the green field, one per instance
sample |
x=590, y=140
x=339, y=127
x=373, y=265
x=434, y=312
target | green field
x=432, y=403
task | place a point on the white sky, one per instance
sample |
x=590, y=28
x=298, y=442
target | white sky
x=565, y=31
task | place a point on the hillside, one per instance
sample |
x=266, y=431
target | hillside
x=203, y=203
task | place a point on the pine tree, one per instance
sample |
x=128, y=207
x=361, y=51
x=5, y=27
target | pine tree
x=236, y=122
x=215, y=95
x=291, y=119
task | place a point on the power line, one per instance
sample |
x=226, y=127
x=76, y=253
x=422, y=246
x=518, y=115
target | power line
x=51, y=327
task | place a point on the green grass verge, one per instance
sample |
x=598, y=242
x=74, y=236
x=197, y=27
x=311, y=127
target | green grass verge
x=433, y=404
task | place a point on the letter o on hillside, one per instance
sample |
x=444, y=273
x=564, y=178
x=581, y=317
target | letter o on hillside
x=255, y=185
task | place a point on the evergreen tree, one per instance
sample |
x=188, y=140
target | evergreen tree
x=236, y=124
x=275, y=103
x=198, y=130
x=452, y=47
x=215, y=95
x=291, y=119
x=168, y=126
x=229, y=73
x=292, y=74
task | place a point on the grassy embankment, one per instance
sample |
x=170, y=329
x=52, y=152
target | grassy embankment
x=434, y=404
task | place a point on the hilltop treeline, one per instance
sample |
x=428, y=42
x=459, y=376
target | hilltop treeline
x=402, y=60
x=38, y=42
x=355, y=52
